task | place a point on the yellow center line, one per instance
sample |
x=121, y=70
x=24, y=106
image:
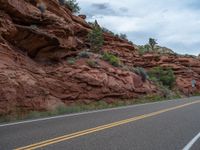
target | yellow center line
x=99, y=128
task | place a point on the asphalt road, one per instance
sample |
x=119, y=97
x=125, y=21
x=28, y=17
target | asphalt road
x=167, y=125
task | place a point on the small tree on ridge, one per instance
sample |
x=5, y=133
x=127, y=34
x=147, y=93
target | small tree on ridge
x=72, y=4
x=95, y=38
x=152, y=43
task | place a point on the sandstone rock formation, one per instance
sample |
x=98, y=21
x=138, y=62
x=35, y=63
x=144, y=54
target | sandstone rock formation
x=35, y=74
x=186, y=69
x=29, y=46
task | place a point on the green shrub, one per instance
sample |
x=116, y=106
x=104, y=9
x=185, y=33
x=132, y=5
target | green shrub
x=143, y=49
x=123, y=36
x=112, y=59
x=153, y=97
x=126, y=68
x=141, y=72
x=84, y=54
x=73, y=5
x=196, y=94
x=95, y=38
x=92, y=64
x=176, y=95
x=71, y=61
x=68, y=109
x=101, y=104
x=165, y=91
x=130, y=42
x=105, y=30
x=165, y=76
x=33, y=114
x=168, y=93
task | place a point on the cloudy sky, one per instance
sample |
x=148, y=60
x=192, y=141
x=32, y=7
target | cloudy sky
x=174, y=23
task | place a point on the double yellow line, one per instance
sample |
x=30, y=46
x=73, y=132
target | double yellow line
x=99, y=128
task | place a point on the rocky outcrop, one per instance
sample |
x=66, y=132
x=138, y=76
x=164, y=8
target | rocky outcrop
x=31, y=42
x=186, y=69
x=35, y=73
x=53, y=36
x=27, y=85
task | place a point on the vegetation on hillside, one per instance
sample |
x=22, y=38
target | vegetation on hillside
x=164, y=76
x=123, y=36
x=72, y=4
x=143, y=49
x=152, y=46
x=80, y=107
x=112, y=59
x=84, y=54
x=152, y=43
x=95, y=38
x=92, y=63
x=141, y=72
x=105, y=30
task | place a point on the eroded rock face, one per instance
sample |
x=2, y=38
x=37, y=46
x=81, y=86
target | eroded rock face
x=52, y=36
x=29, y=38
x=186, y=69
x=28, y=85
x=30, y=42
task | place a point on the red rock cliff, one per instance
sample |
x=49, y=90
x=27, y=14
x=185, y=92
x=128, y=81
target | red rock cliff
x=29, y=43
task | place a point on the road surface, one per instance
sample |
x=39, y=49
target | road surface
x=167, y=125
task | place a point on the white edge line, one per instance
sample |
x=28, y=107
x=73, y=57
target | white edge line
x=83, y=113
x=192, y=142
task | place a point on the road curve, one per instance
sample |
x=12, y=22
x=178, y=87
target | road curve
x=167, y=125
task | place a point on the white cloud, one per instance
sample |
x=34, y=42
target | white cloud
x=175, y=24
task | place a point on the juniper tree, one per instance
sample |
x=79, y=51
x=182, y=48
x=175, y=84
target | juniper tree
x=123, y=36
x=152, y=43
x=73, y=5
x=95, y=38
